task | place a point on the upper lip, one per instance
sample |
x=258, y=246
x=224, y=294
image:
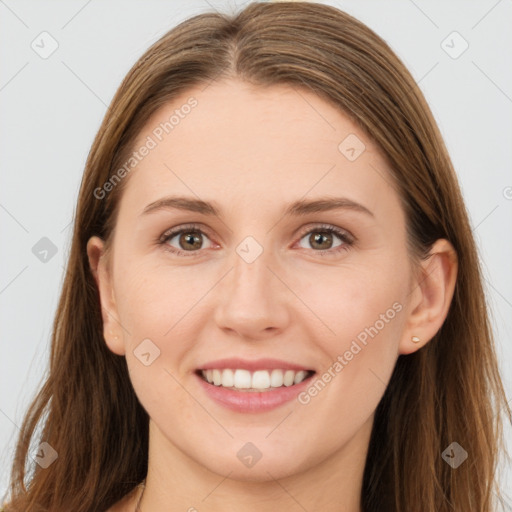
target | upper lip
x=252, y=365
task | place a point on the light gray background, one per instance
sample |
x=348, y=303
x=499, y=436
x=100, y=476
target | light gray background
x=51, y=109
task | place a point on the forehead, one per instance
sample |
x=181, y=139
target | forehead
x=235, y=142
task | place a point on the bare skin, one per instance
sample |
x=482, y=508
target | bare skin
x=252, y=151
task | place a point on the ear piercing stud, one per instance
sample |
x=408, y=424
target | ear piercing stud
x=415, y=339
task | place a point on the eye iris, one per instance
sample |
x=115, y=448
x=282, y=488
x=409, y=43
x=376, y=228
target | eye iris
x=189, y=238
x=319, y=237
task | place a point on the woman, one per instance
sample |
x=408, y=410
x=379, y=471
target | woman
x=273, y=298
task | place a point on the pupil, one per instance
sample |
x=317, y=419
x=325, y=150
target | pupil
x=318, y=238
x=189, y=239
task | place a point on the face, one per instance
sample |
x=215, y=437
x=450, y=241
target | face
x=322, y=289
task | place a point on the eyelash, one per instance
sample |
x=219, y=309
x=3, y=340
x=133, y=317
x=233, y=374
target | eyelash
x=348, y=240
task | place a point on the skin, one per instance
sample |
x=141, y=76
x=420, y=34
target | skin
x=252, y=151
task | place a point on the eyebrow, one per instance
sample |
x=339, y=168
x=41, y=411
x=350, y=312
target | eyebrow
x=297, y=208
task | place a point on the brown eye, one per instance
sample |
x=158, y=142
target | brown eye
x=321, y=240
x=324, y=239
x=188, y=240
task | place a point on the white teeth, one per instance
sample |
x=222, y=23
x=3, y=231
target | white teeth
x=217, y=377
x=276, y=378
x=289, y=375
x=228, y=378
x=261, y=379
x=258, y=380
x=300, y=376
x=242, y=379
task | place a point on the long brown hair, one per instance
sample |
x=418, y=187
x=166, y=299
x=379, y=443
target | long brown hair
x=450, y=390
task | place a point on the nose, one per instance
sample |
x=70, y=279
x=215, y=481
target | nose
x=251, y=300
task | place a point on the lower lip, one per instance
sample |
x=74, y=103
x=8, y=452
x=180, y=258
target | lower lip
x=253, y=401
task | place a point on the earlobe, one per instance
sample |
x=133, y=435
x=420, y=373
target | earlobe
x=99, y=268
x=431, y=297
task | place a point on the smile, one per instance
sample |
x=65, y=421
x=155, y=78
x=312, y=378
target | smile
x=254, y=381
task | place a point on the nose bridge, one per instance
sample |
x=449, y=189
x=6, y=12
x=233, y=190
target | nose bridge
x=251, y=300
x=250, y=276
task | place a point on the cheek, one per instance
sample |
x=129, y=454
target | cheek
x=363, y=313
x=155, y=308
x=349, y=299
x=151, y=299
x=159, y=307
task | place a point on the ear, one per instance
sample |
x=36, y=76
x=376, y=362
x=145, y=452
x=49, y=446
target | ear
x=112, y=331
x=431, y=296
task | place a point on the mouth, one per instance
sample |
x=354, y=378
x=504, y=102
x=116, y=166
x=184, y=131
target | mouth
x=265, y=380
x=247, y=385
